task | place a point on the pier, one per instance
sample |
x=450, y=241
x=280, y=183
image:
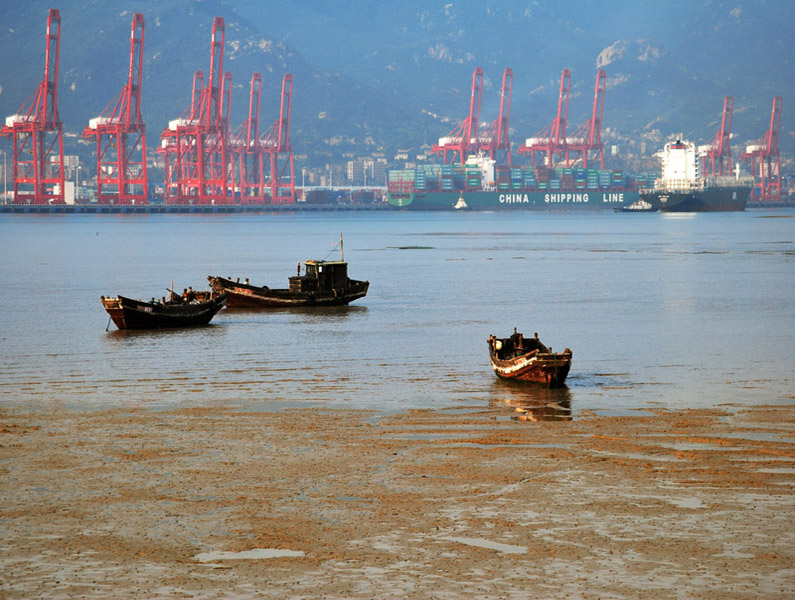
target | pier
x=189, y=208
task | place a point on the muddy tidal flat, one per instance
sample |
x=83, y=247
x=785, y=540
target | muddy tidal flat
x=217, y=503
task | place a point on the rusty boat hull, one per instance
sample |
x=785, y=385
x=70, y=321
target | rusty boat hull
x=241, y=295
x=325, y=283
x=127, y=313
x=528, y=360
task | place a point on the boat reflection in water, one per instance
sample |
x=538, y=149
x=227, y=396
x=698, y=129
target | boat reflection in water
x=533, y=403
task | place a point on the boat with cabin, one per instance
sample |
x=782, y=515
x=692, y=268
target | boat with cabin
x=324, y=283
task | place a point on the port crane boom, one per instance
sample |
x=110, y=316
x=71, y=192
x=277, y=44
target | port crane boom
x=120, y=135
x=276, y=143
x=765, y=160
x=588, y=138
x=195, y=146
x=463, y=140
x=717, y=160
x=551, y=141
x=245, y=150
x=495, y=139
x=37, y=132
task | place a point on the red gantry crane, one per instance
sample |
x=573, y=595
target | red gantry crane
x=717, y=159
x=37, y=132
x=245, y=151
x=121, y=137
x=588, y=138
x=194, y=147
x=495, y=138
x=276, y=143
x=462, y=141
x=551, y=140
x=765, y=161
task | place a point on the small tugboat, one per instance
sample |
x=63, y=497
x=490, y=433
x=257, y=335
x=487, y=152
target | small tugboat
x=324, y=283
x=524, y=359
x=638, y=206
x=190, y=309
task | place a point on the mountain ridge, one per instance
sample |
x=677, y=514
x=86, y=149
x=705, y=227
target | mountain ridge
x=378, y=77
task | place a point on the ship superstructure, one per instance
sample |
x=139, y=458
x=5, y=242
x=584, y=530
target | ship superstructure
x=682, y=187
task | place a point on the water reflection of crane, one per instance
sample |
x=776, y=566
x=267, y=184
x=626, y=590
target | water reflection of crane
x=531, y=402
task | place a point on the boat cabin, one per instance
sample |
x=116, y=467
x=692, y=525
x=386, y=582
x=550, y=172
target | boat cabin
x=321, y=275
x=517, y=345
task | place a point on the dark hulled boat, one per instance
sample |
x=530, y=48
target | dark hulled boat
x=195, y=308
x=704, y=199
x=324, y=283
x=524, y=359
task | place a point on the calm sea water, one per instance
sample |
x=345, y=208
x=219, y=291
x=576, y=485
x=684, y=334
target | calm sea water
x=660, y=311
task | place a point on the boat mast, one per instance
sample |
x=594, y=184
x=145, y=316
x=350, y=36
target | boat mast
x=342, y=250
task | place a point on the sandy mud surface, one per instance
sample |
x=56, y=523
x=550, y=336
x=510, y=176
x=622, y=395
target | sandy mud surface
x=214, y=503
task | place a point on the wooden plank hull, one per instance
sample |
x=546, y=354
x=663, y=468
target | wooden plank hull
x=244, y=295
x=127, y=313
x=528, y=360
x=548, y=369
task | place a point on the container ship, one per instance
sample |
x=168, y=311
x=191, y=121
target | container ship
x=681, y=188
x=481, y=185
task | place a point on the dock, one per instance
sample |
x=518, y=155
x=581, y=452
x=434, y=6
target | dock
x=188, y=208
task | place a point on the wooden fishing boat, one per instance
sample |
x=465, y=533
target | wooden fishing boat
x=324, y=283
x=523, y=359
x=190, y=309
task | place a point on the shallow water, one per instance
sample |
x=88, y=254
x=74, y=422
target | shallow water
x=660, y=311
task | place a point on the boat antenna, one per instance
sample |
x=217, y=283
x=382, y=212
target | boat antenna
x=342, y=251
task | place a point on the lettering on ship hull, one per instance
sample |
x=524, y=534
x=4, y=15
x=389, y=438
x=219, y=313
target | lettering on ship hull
x=583, y=198
x=566, y=198
x=514, y=198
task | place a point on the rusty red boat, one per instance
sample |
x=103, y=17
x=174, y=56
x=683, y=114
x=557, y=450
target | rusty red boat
x=527, y=359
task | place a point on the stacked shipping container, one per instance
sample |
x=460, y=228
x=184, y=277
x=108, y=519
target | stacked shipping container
x=449, y=178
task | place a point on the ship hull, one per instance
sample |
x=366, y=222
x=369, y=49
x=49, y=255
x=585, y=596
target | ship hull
x=707, y=200
x=550, y=369
x=544, y=200
x=127, y=313
x=528, y=360
x=241, y=295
